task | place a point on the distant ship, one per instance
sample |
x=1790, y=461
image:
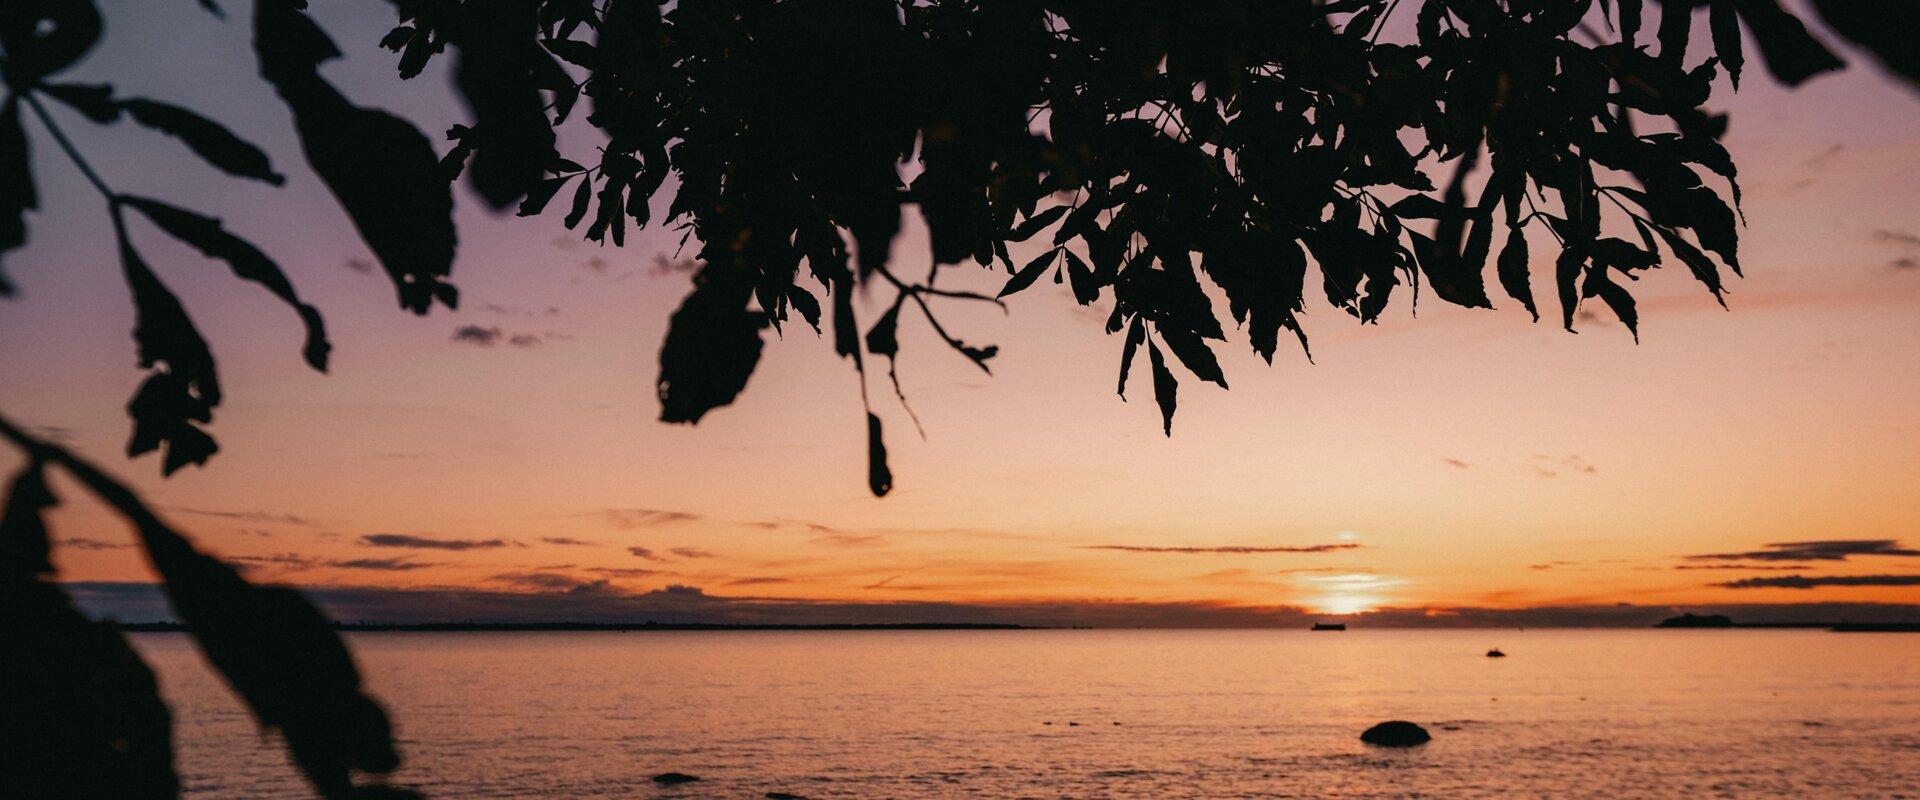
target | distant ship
x=1329, y=626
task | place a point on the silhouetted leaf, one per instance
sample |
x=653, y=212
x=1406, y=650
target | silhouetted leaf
x=879, y=477
x=1086, y=286
x=95, y=100
x=206, y=138
x=1194, y=353
x=1616, y=298
x=1792, y=54
x=1725, y=25
x=1029, y=273
x=883, y=338
x=1164, y=387
x=23, y=532
x=1513, y=270
x=804, y=302
x=184, y=388
x=83, y=716
x=41, y=37
x=499, y=57
x=1676, y=27
x=210, y=238
x=713, y=343
x=582, y=196
x=1136, y=333
x=381, y=169
x=1567, y=270
x=1453, y=278
x=1037, y=223
x=17, y=193
x=536, y=199
x=1885, y=29
x=1629, y=12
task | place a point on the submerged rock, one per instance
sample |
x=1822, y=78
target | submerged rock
x=1397, y=733
x=673, y=778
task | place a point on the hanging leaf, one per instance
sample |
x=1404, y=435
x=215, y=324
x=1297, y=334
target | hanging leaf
x=1164, y=387
x=17, y=193
x=41, y=37
x=1884, y=29
x=1194, y=353
x=211, y=239
x=184, y=387
x=1514, y=275
x=713, y=343
x=542, y=193
x=498, y=56
x=1136, y=333
x=23, y=531
x=380, y=168
x=1029, y=273
x=879, y=477
x=1793, y=55
x=1616, y=297
x=206, y=138
x=1725, y=26
x=83, y=716
x=94, y=100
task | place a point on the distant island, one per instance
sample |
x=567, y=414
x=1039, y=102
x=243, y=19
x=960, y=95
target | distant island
x=490, y=627
x=1691, y=620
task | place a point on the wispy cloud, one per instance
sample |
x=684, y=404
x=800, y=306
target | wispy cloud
x=1456, y=463
x=692, y=552
x=630, y=518
x=1547, y=466
x=89, y=543
x=295, y=561
x=1311, y=548
x=1809, y=582
x=1816, y=550
x=487, y=336
x=758, y=581
x=627, y=572
x=425, y=543
x=558, y=583
x=850, y=540
x=567, y=541
x=249, y=516
x=391, y=564
x=1741, y=567
x=646, y=553
x=1900, y=238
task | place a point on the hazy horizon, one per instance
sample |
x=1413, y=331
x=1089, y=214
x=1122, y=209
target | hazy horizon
x=508, y=455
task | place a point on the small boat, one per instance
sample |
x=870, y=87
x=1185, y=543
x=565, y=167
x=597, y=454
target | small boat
x=1329, y=626
x=1495, y=653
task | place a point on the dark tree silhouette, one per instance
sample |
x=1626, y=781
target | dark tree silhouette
x=1149, y=147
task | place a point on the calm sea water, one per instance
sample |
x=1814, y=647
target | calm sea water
x=1161, y=714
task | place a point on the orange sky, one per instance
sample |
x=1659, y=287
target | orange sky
x=1461, y=458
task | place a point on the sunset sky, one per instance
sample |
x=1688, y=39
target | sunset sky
x=1458, y=460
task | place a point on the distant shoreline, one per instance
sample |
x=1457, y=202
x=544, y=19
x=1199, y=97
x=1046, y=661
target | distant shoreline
x=532, y=627
x=626, y=627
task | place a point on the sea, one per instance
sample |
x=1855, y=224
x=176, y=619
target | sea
x=1613, y=714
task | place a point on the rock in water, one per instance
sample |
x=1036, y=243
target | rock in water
x=1398, y=733
x=673, y=778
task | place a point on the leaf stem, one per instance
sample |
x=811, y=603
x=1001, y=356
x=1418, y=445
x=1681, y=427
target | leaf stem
x=73, y=153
